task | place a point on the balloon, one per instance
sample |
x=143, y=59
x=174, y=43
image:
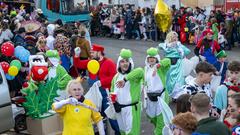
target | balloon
x=24, y=55
x=16, y=63
x=163, y=16
x=93, y=66
x=8, y=77
x=13, y=71
x=18, y=51
x=5, y=66
x=7, y=49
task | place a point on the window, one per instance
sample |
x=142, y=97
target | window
x=74, y=6
x=53, y=5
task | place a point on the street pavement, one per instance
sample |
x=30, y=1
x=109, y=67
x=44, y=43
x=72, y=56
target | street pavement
x=113, y=47
x=139, y=47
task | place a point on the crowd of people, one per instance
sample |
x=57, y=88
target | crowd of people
x=128, y=21
x=200, y=109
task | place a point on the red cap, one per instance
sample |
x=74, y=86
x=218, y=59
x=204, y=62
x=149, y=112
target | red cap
x=209, y=24
x=97, y=48
x=208, y=31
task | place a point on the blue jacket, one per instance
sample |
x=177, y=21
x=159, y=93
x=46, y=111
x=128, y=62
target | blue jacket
x=218, y=65
x=19, y=41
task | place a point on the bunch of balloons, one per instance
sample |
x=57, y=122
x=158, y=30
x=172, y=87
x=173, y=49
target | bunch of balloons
x=22, y=54
x=11, y=70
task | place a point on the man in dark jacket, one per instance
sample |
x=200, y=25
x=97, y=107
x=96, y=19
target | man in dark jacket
x=200, y=107
x=19, y=38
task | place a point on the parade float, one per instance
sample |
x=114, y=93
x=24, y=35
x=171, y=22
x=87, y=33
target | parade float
x=39, y=95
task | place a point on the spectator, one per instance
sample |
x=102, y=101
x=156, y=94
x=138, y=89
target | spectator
x=234, y=110
x=229, y=30
x=5, y=32
x=232, y=80
x=184, y=124
x=85, y=49
x=204, y=73
x=221, y=65
x=183, y=105
x=19, y=39
x=200, y=106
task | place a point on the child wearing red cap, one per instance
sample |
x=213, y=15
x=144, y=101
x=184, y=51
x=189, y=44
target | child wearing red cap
x=207, y=47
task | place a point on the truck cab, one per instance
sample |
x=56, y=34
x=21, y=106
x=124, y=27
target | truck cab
x=66, y=10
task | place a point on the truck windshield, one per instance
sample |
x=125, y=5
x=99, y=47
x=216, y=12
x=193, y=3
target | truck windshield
x=73, y=7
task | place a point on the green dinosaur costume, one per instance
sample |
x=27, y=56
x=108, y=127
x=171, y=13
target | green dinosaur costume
x=155, y=82
x=130, y=116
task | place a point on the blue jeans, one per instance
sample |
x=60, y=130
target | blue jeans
x=113, y=123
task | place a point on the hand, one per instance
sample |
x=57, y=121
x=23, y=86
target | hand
x=98, y=83
x=158, y=66
x=72, y=101
x=77, y=51
x=214, y=113
x=120, y=84
x=154, y=73
x=202, y=58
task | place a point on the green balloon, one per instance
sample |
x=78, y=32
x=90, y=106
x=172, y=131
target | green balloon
x=16, y=63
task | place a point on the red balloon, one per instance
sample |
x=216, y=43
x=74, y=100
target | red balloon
x=5, y=66
x=7, y=49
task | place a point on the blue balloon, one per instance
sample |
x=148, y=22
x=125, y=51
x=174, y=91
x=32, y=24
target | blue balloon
x=18, y=50
x=9, y=77
x=24, y=56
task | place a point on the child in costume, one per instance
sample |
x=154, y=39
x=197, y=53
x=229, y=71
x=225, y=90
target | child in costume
x=56, y=70
x=77, y=112
x=207, y=47
x=154, y=87
x=233, y=80
x=174, y=50
x=126, y=84
x=234, y=103
x=221, y=64
x=200, y=84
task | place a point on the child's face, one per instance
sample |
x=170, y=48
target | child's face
x=234, y=75
x=222, y=59
x=152, y=60
x=233, y=108
x=76, y=90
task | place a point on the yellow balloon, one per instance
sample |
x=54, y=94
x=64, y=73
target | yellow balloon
x=13, y=71
x=163, y=16
x=93, y=66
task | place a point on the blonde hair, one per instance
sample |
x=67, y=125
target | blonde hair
x=41, y=42
x=170, y=36
x=74, y=81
